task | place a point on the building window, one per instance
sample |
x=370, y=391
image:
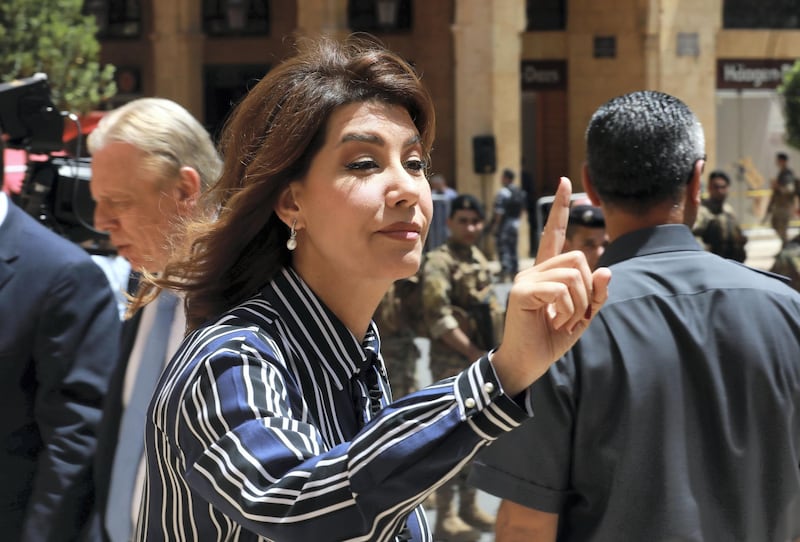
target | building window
x=688, y=44
x=546, y=14
x=236, y=17
x=224, y=85
x=760, y=14
x=115, y=18
x=605, y=46
x=379, y=15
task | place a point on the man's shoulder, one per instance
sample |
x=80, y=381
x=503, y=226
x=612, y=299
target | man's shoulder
x=503, y=193
x=792, y=248
x=728, y=210
x=691, y=273
x=42, y=245
x=478, y=256
x=438, y=256
x=788, y=257
x=786, y=179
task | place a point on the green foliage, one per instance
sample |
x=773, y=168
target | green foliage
x=790, y=90
x=54, y=37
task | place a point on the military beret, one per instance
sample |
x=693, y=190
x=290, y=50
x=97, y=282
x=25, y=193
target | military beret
x=465, y=201
x=588, y=216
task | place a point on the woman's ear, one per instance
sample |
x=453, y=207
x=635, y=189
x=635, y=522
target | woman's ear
x=286, y=207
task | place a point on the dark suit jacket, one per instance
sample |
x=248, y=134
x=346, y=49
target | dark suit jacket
x=59, y=342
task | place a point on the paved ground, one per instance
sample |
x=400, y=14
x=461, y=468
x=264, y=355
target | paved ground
x=485, y=501
x=762, y=246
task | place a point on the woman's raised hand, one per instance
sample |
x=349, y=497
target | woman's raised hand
x=550, y=304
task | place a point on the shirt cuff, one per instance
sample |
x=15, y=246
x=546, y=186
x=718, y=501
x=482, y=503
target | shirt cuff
x=484, y=405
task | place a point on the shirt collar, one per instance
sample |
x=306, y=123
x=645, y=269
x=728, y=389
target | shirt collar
x=316, y=331
x=662, y=238
x=464, y=251
x=3, y=206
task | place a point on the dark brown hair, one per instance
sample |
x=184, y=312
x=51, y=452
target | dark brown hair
x=269, y=141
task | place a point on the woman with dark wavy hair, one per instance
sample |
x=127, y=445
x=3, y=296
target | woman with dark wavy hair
x=274, y=419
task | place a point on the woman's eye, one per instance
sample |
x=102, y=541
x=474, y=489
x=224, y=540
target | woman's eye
x=416, y=165
x=362, y=164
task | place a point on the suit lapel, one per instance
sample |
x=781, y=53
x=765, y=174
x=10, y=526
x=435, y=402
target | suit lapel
x=11, y=234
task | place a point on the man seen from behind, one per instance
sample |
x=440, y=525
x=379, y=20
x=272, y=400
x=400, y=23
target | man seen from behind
x=676, y=416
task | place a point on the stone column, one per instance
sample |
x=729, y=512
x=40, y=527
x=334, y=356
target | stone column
x=680, y=54
x=488, y=45
x=322, y=17
x=178, y=52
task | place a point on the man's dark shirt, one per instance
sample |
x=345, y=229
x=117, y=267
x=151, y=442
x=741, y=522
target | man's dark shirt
x=677, y=414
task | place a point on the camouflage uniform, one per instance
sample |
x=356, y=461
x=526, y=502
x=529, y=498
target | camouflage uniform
x=787, y=262
x=457, y=292
x=781, y=203
x=400, y=353
x=719, y=230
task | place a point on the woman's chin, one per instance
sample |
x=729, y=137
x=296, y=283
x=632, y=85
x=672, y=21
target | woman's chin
x=407, y=267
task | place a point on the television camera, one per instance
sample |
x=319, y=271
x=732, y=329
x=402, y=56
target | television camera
x=55, y=189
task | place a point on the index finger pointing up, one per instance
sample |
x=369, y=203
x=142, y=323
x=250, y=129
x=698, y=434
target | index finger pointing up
x=555, y=230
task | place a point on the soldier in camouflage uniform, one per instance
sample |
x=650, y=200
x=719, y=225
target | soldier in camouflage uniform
x=787, y=262
x=461, y=314
x=395, y=320
x=781, y=204
x=716, y=225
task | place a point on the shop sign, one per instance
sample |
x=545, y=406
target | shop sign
x=752, y=73
x=544, y=74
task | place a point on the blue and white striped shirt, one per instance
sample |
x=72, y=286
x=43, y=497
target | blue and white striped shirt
x=252, y=432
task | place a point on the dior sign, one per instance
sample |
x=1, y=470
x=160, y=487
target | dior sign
x=543, y=74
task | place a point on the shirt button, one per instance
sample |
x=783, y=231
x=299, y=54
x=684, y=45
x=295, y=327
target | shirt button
x=469, y=402
x=488, y=387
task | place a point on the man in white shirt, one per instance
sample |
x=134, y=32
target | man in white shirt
x=151, y=159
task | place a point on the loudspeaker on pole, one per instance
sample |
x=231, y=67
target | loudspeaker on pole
x=484, y=154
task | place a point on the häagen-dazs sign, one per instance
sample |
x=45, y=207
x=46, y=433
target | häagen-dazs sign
x=751, y=73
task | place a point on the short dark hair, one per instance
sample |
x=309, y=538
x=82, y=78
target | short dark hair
x=584, y=216
x=782, y=156
x=509, y=173
x=641, y=149
x=466, y=202
x=719, y=174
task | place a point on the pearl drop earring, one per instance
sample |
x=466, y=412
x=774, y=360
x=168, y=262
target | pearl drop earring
x=291, y=242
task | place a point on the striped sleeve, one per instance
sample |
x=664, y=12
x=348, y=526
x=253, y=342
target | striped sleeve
x=253, y=452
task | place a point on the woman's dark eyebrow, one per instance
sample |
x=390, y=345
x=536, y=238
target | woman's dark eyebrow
x=370, y=138
x=414, y=140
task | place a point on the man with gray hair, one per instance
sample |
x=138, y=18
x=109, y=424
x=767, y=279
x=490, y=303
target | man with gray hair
x=151, y=159
x=676, y=416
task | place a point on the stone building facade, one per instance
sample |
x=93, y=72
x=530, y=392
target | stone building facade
x=528, y=73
